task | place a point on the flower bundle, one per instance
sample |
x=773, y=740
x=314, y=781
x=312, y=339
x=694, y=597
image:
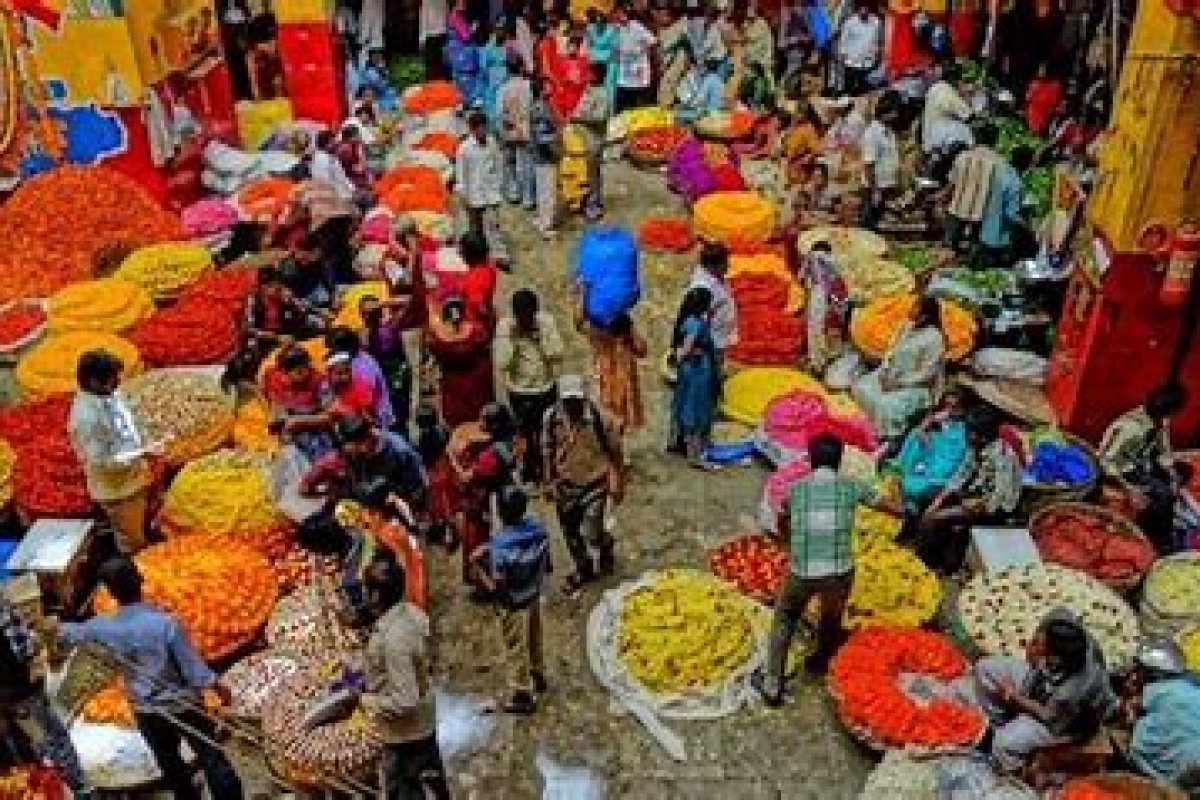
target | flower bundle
x=56, y=223
x=864, y=681
x=665, y=234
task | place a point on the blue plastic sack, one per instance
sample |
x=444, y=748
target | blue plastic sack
x=606, y=266
x=1055, y=462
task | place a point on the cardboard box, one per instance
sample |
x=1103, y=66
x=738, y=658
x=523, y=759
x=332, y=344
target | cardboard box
x=993, y=550
x=56, y=552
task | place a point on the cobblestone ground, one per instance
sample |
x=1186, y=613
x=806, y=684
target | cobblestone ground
x=672, y=517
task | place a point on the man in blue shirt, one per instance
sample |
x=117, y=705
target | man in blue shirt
x=513, y=564
x=166, y=677
x=1002, y=213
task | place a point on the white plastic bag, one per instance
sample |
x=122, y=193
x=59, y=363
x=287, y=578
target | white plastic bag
x=560, y=782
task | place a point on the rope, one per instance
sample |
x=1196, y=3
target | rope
x=112, y=659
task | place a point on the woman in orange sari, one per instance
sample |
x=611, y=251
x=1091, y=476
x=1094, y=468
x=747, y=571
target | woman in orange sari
x=616, y=350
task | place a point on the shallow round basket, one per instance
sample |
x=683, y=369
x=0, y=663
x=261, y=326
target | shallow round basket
x=1119, y=523
x=1131, y=787
x=650, y=162
x=35, y=335
x=867, y=739
x=1038, y=495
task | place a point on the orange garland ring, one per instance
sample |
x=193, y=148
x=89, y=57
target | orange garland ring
x=864, y=682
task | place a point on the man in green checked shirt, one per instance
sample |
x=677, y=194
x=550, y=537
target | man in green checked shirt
x=817, y=522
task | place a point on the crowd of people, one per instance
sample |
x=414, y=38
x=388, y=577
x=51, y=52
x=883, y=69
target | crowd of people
x=451, y=407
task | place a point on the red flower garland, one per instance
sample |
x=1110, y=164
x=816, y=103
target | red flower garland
x=194, y=332
x=48, y=480
x=18, y=321
x=863, y=679
x=665, y=234
x=755, y=564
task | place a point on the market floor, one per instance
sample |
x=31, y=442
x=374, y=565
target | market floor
x=672, y=517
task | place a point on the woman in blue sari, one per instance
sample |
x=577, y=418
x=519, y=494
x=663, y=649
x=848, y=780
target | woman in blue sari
x=694, y=402
x=601, y=48
x=462, y=55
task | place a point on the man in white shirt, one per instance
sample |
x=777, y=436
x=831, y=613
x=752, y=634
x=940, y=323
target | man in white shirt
x=945, y=116
x=859, y=46
x=881, y=159
x=634, y=75
x=479, y=182
x=327, y=168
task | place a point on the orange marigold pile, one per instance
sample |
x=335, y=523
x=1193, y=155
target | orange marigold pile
x=56, y=223
x=864, y=680
x=220, y=588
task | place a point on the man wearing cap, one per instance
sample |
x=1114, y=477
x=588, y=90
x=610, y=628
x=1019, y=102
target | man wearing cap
x=584, y=470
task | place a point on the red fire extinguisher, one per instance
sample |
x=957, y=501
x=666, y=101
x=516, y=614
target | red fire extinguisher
x=1183, y=255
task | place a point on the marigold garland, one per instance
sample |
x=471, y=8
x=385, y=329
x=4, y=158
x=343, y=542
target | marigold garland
x=222, y=590
x=428, y=98
x=665, y=234
x=864, y=681
x=55, y=224
x=874, y=327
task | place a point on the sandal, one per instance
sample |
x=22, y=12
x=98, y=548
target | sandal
x=521, y=703
x=758, y=682
x=574, y=584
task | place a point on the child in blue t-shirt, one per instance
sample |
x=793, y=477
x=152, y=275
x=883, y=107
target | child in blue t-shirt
x=513, y=566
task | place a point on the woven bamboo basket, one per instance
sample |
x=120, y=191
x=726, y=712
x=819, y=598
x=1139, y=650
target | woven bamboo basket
x=1118, y=523
x=1038, y=495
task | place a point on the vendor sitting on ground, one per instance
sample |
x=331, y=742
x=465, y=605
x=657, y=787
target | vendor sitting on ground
x=1163, y=706
x=292, y=388
x=932, y=453
x=365, y=459
x=984, y=490
x=1058, y=694
x=354, y=550
x=910, y=378
x=1135, y=451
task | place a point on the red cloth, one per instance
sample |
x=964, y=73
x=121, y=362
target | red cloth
x=902, y=52
x=443, y=491
x=478, y=289
x=1041, y=100
x=572, y=75
x=964, y=32
x=280, y=393
x=357, y=400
